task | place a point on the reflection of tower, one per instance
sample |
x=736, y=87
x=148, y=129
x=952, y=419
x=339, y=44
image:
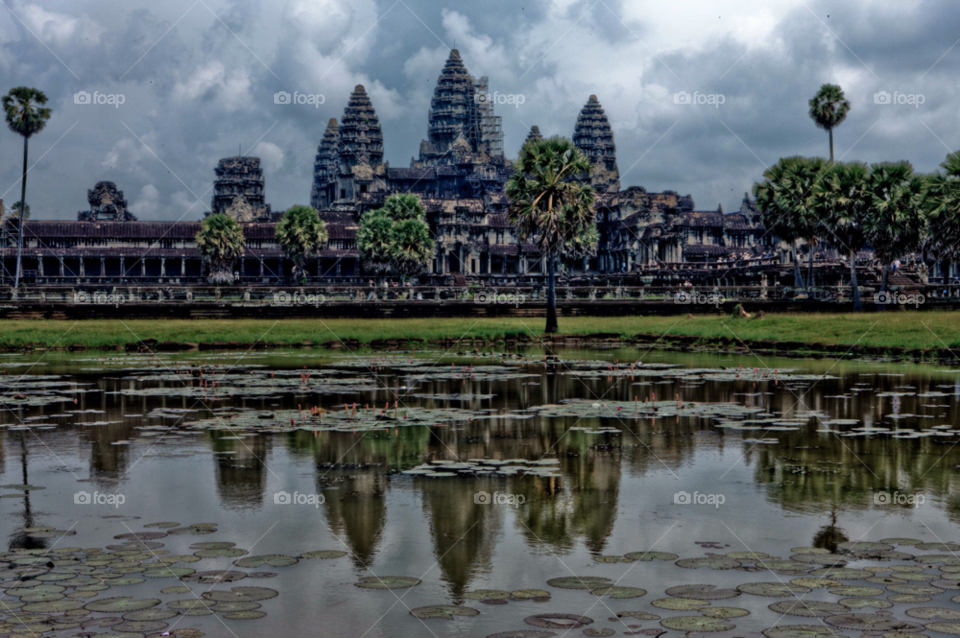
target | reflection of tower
x=358, y=514
x=463, y=531
x=241, y=477
x=585, y=507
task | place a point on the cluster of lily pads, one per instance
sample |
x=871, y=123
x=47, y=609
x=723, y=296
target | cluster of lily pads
x=43, y=591
x=907, y=574
x=486, y=467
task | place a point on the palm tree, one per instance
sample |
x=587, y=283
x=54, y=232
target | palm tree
x=15, y=211
x=842, y=200
x=551, y=203
x=411, y=247
x=897, y=220
x=301, y=234
x=828, y=109
x=374, y=241
x=943, y=210
x=25, y=117
x=220, y=242
x=783, y=199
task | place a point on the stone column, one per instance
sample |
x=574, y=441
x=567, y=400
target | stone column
x=183, y=267
x=83, y=270
x=40, y=262
x=123, y=270
x=103, y=266
x=143, y=266
x=60, y=259
x=163, y=266
x=261, y=267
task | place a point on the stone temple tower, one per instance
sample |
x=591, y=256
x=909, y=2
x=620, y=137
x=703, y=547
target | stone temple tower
x=461, y=112
x=238, y=189
x=534, y=134
x=361, y=146
x=326, y=167
x=594, y=137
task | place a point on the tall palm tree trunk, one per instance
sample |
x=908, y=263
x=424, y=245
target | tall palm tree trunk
x=831, y=146
x=857, y=306
x=552, y=325
x=23, y=208
x=810, y=267
x=883, y=284
x=797, y=277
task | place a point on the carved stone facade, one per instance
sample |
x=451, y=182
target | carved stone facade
x=106, y=204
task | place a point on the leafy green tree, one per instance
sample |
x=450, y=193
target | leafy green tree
x=783, y=200
x=897, y=220
x=221, y=243
x=26, y=116
x=828, y=110
x=551, y=203
x=842, y=200
x=395, y=239
x=301, y=235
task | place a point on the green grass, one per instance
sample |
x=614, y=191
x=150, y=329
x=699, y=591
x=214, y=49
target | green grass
x=913, y=330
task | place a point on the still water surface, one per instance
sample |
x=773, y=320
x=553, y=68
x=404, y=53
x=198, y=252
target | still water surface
x=605, y=449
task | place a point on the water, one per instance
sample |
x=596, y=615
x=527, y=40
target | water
x=611, y=482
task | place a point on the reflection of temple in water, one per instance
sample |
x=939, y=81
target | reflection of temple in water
x=241, y=474
x=357, y=511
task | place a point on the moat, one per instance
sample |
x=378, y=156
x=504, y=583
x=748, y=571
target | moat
x=596, y=492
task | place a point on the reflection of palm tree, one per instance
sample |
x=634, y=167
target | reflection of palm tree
x=20, y=540
x=829, y=536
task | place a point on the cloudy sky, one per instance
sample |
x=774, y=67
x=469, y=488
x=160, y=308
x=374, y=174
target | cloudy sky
x=198, y=79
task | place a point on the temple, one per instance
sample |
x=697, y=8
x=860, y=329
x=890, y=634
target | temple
x=459, y=173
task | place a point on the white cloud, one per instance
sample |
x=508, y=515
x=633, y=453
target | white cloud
x=147, y=203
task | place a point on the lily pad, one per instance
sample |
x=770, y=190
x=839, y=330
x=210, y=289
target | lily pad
x=807, y=608
x=121, y=604
x=702, y=592
x=273, y=560
x=558, y=621
x=680, y=604
x=487, y=594
x=325, y=554
x=579, y=582
x=387, y=582
x=712, y=562
x=619, y=593
x=697, y=624
x=773, y=590
x=447, y=612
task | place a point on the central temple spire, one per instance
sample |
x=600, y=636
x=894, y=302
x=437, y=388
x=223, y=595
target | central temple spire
x=461, y=116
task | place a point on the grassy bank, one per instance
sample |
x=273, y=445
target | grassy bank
x=892, y=329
